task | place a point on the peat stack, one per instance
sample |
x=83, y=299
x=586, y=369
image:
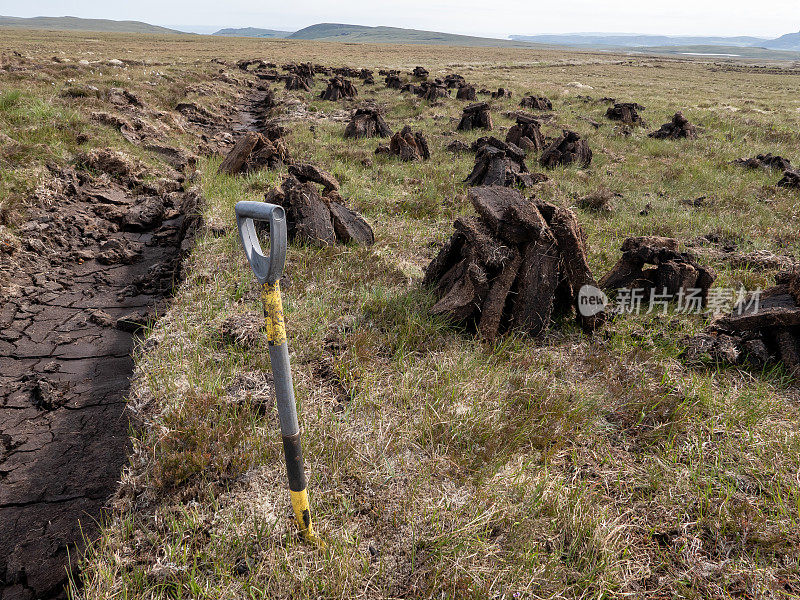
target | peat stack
x=314, y=216
x=501, y=93
x=432, y=91
x=367, y=121
x=245, y=65
x=457, y=147
x=342, y=71
x=295, y=82
x=672, y=274
x=536, y=103
x=300, y=77
x=367, y=76
x=756, y=332
x=476, y=116
x=790, y=179
x=516, y=266
x=454, y=80
x=627, y=112
x=526, y=133
x=411, y=88
x=305, y=70
x=466, y=92
x=765, y=161
x=498, y=163
x=679, y=127
x=567, y=149
x=254, y=151
x=393, y=81
x=407, y=145
x=420, y=72
x=339, y=88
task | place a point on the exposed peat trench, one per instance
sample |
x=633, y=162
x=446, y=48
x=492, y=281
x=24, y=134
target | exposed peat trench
x=97, y=262
x=94, y=264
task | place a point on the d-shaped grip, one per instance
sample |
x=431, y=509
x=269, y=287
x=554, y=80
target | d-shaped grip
x=267, y=270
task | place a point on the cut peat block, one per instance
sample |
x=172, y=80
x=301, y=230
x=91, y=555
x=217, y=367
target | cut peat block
x=338, y=89
x=536, y=103
x=318, y=217
x=254, y=151
x=500, y=163
x=627, y=112
x=765, y=161
x=755, y=333
x=407, y=145
x=569, y=148
x=526, y=133
x=790, y=179
x=466, y=92
x=476, y=116
x=367, y=121
x=513, y=267
x=679, y=127
x=670, y=275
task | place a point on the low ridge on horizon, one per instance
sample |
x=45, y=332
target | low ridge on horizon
x=67, y=23
x=743, y=46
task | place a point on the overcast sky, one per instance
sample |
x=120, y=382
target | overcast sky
x=495, y=18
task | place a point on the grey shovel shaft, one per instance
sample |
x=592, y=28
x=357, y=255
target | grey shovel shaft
x=284, y=390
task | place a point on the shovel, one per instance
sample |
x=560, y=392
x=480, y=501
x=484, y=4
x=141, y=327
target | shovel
x=268, y=272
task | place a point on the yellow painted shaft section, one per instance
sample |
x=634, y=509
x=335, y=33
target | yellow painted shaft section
x=302, y=512
x=273, y=313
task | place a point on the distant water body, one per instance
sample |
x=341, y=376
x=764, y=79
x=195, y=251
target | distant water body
x=708, y=54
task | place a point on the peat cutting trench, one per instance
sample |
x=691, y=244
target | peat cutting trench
x=101, y=252
x=98, y=258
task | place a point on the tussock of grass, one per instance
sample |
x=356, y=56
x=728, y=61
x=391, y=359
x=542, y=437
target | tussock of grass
x=37, y=131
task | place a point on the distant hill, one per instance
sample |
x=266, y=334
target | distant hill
x=790, y=41
x=252, y=32
x=338, y=32
x=78, y=24
x=597, y=40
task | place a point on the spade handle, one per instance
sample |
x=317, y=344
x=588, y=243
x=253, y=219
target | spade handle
x=266, y=269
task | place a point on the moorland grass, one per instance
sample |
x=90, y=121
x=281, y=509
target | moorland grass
x=439, y=466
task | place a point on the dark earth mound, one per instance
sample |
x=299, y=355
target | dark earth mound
x=679, y=127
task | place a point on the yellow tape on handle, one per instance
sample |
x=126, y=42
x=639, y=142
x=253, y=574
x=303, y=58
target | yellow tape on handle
x=273, y=312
